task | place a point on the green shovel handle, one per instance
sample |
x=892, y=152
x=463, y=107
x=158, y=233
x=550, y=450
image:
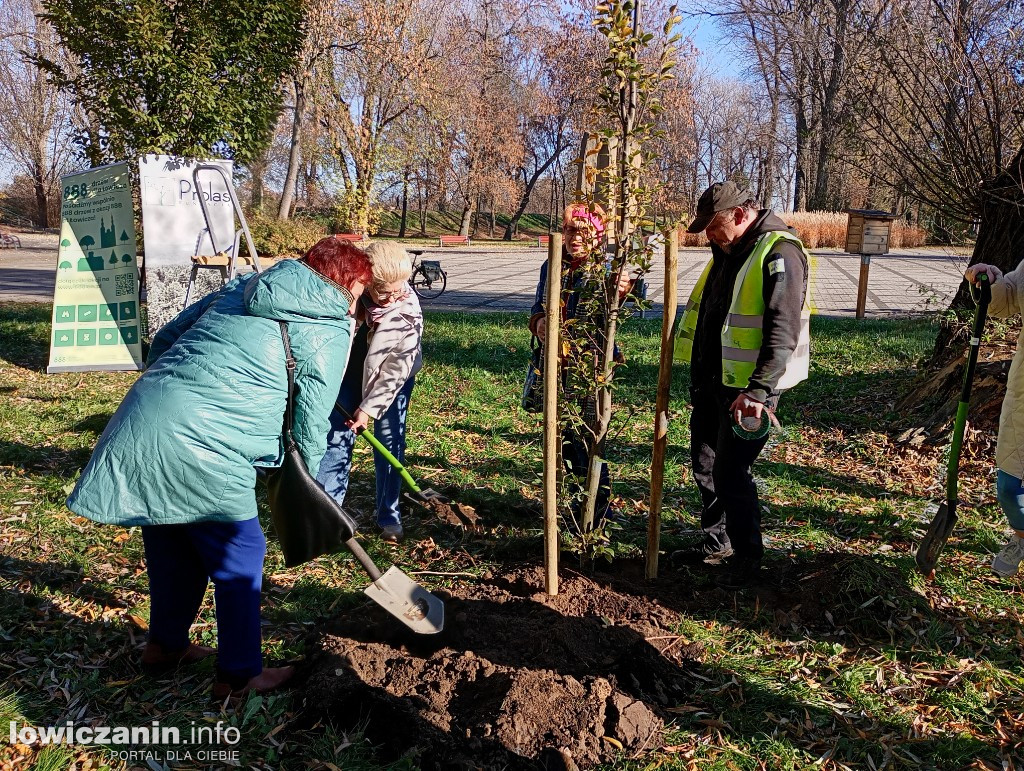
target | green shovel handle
x=375, y=443
x=959, y=426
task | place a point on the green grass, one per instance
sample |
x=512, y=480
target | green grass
x=938, y=663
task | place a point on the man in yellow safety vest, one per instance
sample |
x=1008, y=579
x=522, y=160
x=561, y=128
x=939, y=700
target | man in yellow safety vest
x=746, y=333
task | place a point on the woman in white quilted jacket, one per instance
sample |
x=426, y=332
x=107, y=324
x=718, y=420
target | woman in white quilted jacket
x=378, y=383
x=1008, y=300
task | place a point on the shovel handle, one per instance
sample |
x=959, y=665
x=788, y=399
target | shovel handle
x=960, y=424
x=375, y=443
x=364, y=559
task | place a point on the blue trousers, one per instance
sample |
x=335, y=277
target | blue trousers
x=1010, y=492
x=389, y=429
x=180, y=561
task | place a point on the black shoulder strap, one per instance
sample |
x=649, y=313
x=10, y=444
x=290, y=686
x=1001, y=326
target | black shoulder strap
x=289, y=408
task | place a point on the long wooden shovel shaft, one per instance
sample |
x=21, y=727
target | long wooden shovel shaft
x=364, y=559
x=661, y=415
x=553, y=323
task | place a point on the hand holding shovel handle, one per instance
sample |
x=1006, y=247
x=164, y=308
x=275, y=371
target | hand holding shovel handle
x=422, y=495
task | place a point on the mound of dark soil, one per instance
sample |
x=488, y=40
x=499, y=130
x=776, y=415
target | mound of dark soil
x=518, y=679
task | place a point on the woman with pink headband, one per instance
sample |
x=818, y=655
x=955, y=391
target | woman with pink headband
x=583, y=228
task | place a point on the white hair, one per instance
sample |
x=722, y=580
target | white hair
x=391, y=263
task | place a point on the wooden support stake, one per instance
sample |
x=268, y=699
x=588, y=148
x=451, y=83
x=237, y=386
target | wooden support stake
x=862, y=285
x=552, y=320
x=668, y=317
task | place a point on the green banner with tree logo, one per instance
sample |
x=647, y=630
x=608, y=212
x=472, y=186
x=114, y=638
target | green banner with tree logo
x=96, y=298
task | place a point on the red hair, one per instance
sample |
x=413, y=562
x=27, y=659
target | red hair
x=339, y=261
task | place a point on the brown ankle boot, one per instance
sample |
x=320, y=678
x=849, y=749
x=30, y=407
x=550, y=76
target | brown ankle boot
x=269, y=679
x=157, y=661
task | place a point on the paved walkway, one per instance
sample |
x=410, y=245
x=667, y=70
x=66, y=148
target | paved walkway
x=504, y=279
x=912, y=281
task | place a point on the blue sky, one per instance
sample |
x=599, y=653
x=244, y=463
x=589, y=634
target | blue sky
x=715, y=52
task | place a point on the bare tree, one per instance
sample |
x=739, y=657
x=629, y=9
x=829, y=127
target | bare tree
x=485, y=103
x=35, y=117
x=323, y=34
x=555, y=103
x=949, y=107
x=389, y=71
x=806, y=55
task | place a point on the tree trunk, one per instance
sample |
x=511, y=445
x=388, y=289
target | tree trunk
x=1000, y=243
x=405, y=203
x=42, y=204
x=492, y=218
x=467, y=216
x=39, y=166
x=295, y=153
x=424, y=199
x=524, y=201
x=480, y=201
x=258, y=169
x=311, y=177
x=800, y=164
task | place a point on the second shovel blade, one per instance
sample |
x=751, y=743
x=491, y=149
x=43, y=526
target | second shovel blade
x=407, y=601
x=935, y=539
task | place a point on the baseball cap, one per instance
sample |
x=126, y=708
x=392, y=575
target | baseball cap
x=719, y=197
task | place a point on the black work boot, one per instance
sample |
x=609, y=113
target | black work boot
x=741, y=573
x=707, y=553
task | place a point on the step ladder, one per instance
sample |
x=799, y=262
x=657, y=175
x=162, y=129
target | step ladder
x=226, y=259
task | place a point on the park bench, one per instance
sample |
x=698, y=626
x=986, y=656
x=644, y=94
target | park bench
x=453, y=241
x=543, y=240
x=8, y=241
x=354, y=238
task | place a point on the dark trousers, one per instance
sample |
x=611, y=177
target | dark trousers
x=180, y=561
x=574, y=454
x=722, y=461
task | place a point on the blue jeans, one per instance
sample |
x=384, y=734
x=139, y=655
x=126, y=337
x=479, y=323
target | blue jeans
x=180, y=561
x=1010, y=493
x=389, y=429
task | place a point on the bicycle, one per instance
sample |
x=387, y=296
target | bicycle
x=427, y=280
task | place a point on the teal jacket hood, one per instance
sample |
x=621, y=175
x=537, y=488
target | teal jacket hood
x=292, y=291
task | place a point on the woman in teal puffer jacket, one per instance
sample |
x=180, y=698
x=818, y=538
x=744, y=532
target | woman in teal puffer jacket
x=179, y=456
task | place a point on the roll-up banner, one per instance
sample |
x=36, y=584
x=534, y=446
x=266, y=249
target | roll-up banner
x=96, y=296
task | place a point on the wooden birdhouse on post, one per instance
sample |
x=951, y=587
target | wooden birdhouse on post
x=867, y=233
